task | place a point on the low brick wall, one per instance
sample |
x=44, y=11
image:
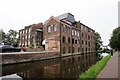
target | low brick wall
x=25, y=57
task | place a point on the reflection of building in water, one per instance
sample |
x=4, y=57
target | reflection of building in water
x=52, y=71
x=67, y=67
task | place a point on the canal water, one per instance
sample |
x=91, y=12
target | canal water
x=67, y=67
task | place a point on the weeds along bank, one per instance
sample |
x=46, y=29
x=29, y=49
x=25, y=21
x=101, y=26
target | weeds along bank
x=94, y=70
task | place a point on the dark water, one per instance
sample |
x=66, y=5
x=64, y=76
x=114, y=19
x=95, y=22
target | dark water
x=67, y=67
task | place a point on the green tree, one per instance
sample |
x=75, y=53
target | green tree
x=2, y=36
x=10, y=38
x=98, y=41
x=98, y=45
x=115, y=39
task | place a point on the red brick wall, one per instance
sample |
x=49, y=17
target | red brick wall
x=24, y=57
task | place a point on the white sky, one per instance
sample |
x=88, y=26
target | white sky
x=100, y=15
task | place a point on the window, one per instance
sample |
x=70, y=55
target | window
x=55, y=27
x=26, y=36
x=69, y=50
x=78, y=41
x=78, y=49
x=82, y=42
x=29, y=35
x=69, y=40
x=49, y=28
x=82, y=27
x=86, y=42
x=29, y=30
x=75, y=41
x=63, y=39
x=68, y=30
x=72, y=32
x=63, y=50
x=89, y=44
x=82, y=35
x=89, y=49
x=78, y=33
x=75, y=32
x=65, y=29
x=72, y=40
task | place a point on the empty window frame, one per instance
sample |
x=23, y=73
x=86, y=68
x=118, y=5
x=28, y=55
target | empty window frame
x=55, y=27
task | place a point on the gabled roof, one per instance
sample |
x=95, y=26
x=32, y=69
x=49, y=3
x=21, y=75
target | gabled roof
x=52, y=17
x=68, y=17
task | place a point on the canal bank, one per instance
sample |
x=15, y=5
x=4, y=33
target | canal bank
x=23, y=57
x=65, y=67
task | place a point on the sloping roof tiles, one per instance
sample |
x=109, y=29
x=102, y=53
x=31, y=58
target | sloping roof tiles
x=68, y=17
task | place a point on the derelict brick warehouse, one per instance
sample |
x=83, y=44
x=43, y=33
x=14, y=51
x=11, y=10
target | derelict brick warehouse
x=31, y=35
x=63, y=34
x=68, y=36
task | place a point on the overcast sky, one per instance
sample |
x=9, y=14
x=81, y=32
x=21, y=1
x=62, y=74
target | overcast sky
x=100, y=15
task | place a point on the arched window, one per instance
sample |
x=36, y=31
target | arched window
x=72, y=40
x=69, y=40
x=75, y=32
x=55, y=28
x=75, y=41
x=63, y=39
x=78, y=33
x=69, y=50
x=49, y=28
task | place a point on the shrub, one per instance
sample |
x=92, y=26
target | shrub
x=30, y=46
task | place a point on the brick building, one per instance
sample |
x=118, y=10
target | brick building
x=68, y=36
x=31, y=35
x=61, y=33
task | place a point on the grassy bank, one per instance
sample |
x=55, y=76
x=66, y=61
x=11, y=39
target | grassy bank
x=94, y=70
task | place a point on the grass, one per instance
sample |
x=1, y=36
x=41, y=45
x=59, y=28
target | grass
x=94, y=70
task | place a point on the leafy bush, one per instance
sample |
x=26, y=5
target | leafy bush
x=30, y=46
x=39, y=46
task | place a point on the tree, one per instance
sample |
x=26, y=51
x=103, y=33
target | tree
x=98, y=45
x=10, y=38
x=98, y=41
x=2, y=36
x=115, y=39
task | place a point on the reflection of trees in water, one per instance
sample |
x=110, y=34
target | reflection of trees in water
x=67, y=67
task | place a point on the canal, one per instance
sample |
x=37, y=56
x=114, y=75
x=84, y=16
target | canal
x=67, y=67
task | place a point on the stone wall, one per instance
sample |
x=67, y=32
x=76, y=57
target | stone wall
x=25, y=57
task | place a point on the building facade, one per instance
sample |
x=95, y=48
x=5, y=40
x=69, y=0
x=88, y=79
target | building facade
x=31, y=35
x=68, y=36
x=62, y=34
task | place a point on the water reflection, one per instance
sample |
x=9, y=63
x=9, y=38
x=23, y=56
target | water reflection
x=67, y=67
